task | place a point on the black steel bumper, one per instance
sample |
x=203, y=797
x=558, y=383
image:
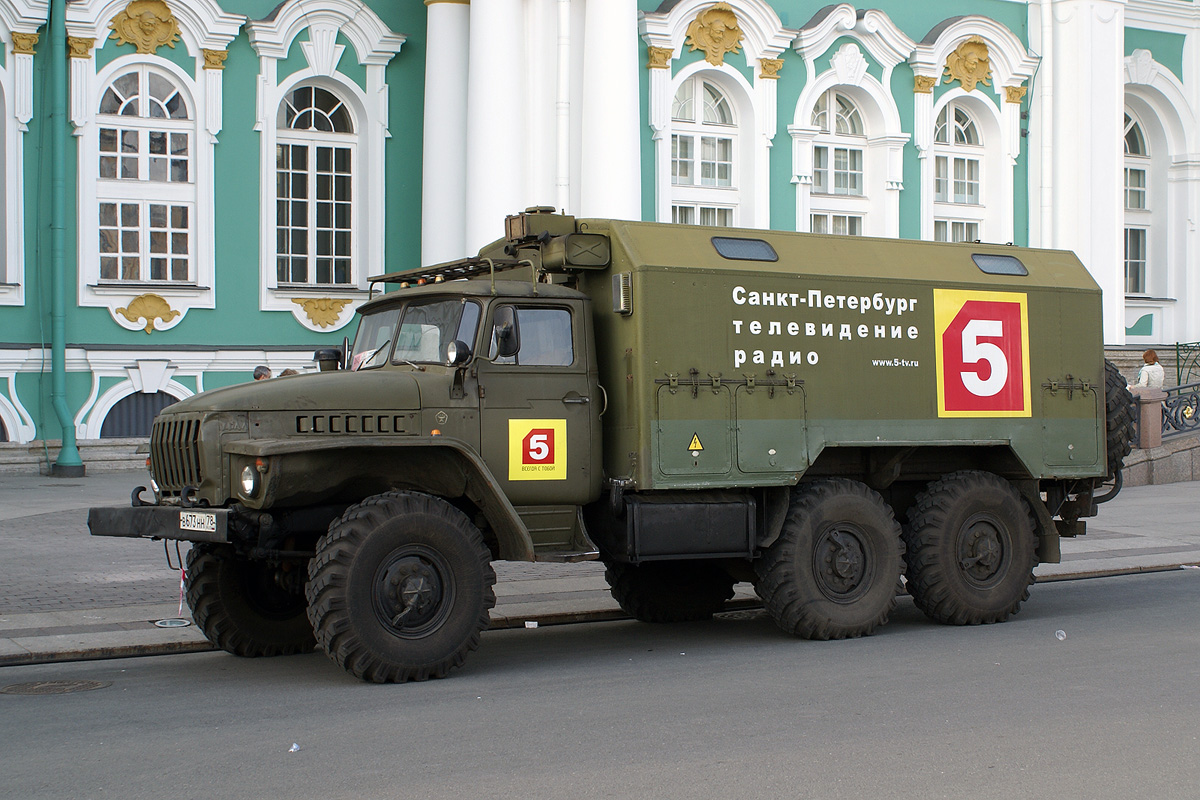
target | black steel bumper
x=161, y=522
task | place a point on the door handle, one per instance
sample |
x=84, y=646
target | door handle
x=577, y=400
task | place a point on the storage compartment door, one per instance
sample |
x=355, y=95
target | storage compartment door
x=770, y=429
x=693, y=431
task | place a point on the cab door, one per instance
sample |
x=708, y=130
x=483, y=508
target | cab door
x=539, y=406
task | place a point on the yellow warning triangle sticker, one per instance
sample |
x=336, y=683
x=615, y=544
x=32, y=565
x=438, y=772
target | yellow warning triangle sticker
x=695, y=445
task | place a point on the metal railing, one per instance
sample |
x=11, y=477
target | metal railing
x=1187, y=362
x=1181, y=410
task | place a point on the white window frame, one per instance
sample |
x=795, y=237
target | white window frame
x=144, y=193
x=1139, y=219
x=961, y=176
x=829, y=143
x=836, y=224
x=1141, y=264
x=714, y=148
x=695, y=214
x=839, y=209
x=313, y=142
x=956, y=230
x=374, y=47
x=205, y=27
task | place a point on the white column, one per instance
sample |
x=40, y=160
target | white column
x=611, y=171
x=1082, y=177
x=444, y=168
x=495, y=123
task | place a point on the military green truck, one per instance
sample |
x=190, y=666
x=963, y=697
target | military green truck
x=829, y=418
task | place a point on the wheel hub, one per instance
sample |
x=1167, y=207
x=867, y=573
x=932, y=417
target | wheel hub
x=841, y=564
x=411, y=595
x=981, y=550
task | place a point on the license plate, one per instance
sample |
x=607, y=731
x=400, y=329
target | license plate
x=197, y=521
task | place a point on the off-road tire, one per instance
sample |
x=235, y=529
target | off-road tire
x=833, y=571
x=1118, y=417
x=240, y=608
x=394, y=554
x=669, y=591
x=971, y=549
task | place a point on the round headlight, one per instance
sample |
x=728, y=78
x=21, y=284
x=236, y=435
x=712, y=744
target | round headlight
x=249, y=481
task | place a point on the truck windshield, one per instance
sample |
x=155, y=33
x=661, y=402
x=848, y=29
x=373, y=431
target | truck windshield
x=426, y=328
x=374, y=339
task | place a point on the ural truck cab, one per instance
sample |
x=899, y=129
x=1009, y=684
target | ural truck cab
x=694, y=406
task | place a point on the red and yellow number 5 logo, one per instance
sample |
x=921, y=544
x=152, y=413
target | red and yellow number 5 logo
x=537, y=449
x=982, y=353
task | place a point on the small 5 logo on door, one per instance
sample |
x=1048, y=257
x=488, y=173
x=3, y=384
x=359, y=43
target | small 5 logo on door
x=537, y=449
x=982, y=353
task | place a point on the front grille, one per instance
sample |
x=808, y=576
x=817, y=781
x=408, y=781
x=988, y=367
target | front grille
x=175, y=452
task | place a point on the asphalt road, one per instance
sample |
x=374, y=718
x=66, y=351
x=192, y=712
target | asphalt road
x=728, y=709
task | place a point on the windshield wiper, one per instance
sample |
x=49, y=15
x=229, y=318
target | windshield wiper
x=368, y=359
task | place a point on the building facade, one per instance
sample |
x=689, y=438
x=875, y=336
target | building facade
x=234, y=171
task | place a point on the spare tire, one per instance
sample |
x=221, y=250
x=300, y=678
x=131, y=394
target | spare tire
x=1118, y=417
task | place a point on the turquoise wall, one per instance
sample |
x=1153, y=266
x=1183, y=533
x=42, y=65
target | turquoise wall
x=1167, y=48
x=236, y=320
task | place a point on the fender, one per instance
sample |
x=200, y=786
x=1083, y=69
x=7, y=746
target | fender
x=300, y=472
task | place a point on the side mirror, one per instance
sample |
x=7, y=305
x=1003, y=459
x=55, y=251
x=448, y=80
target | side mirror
x=328, y=360
x=458, y=352
x=506, y=334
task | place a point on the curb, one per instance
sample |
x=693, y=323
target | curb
x=499, y=622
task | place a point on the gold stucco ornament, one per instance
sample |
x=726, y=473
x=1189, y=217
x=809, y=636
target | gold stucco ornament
x=715, y=30
x=658, y=57
x=770, y=68
x=79, y=47
x=23, y=43
x=146, y=24
x=322, y=311
x=148, y=307
x=969, y=64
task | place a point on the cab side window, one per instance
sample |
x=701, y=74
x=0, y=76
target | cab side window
x=544, y=335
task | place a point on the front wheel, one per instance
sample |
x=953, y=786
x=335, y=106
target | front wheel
x=832, y=573
x=971, y=549
x=400, y=588
x=242, y=607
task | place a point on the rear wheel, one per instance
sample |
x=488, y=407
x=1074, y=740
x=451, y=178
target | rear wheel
x=1118, y=418
x=400, y=588
x=242, y=606
x=669, y=591
x=832, y=573
x=971, y=549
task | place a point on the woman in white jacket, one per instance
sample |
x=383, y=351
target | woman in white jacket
x=1151, y=374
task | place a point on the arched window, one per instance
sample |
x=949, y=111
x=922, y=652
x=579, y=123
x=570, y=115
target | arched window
x=838, y=205
x=957, y=168
x=314, y=209
x=1137, y=207
x=703, y=164
x=145, y=186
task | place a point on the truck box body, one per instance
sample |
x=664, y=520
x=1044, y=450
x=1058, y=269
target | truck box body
x=838, y=342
